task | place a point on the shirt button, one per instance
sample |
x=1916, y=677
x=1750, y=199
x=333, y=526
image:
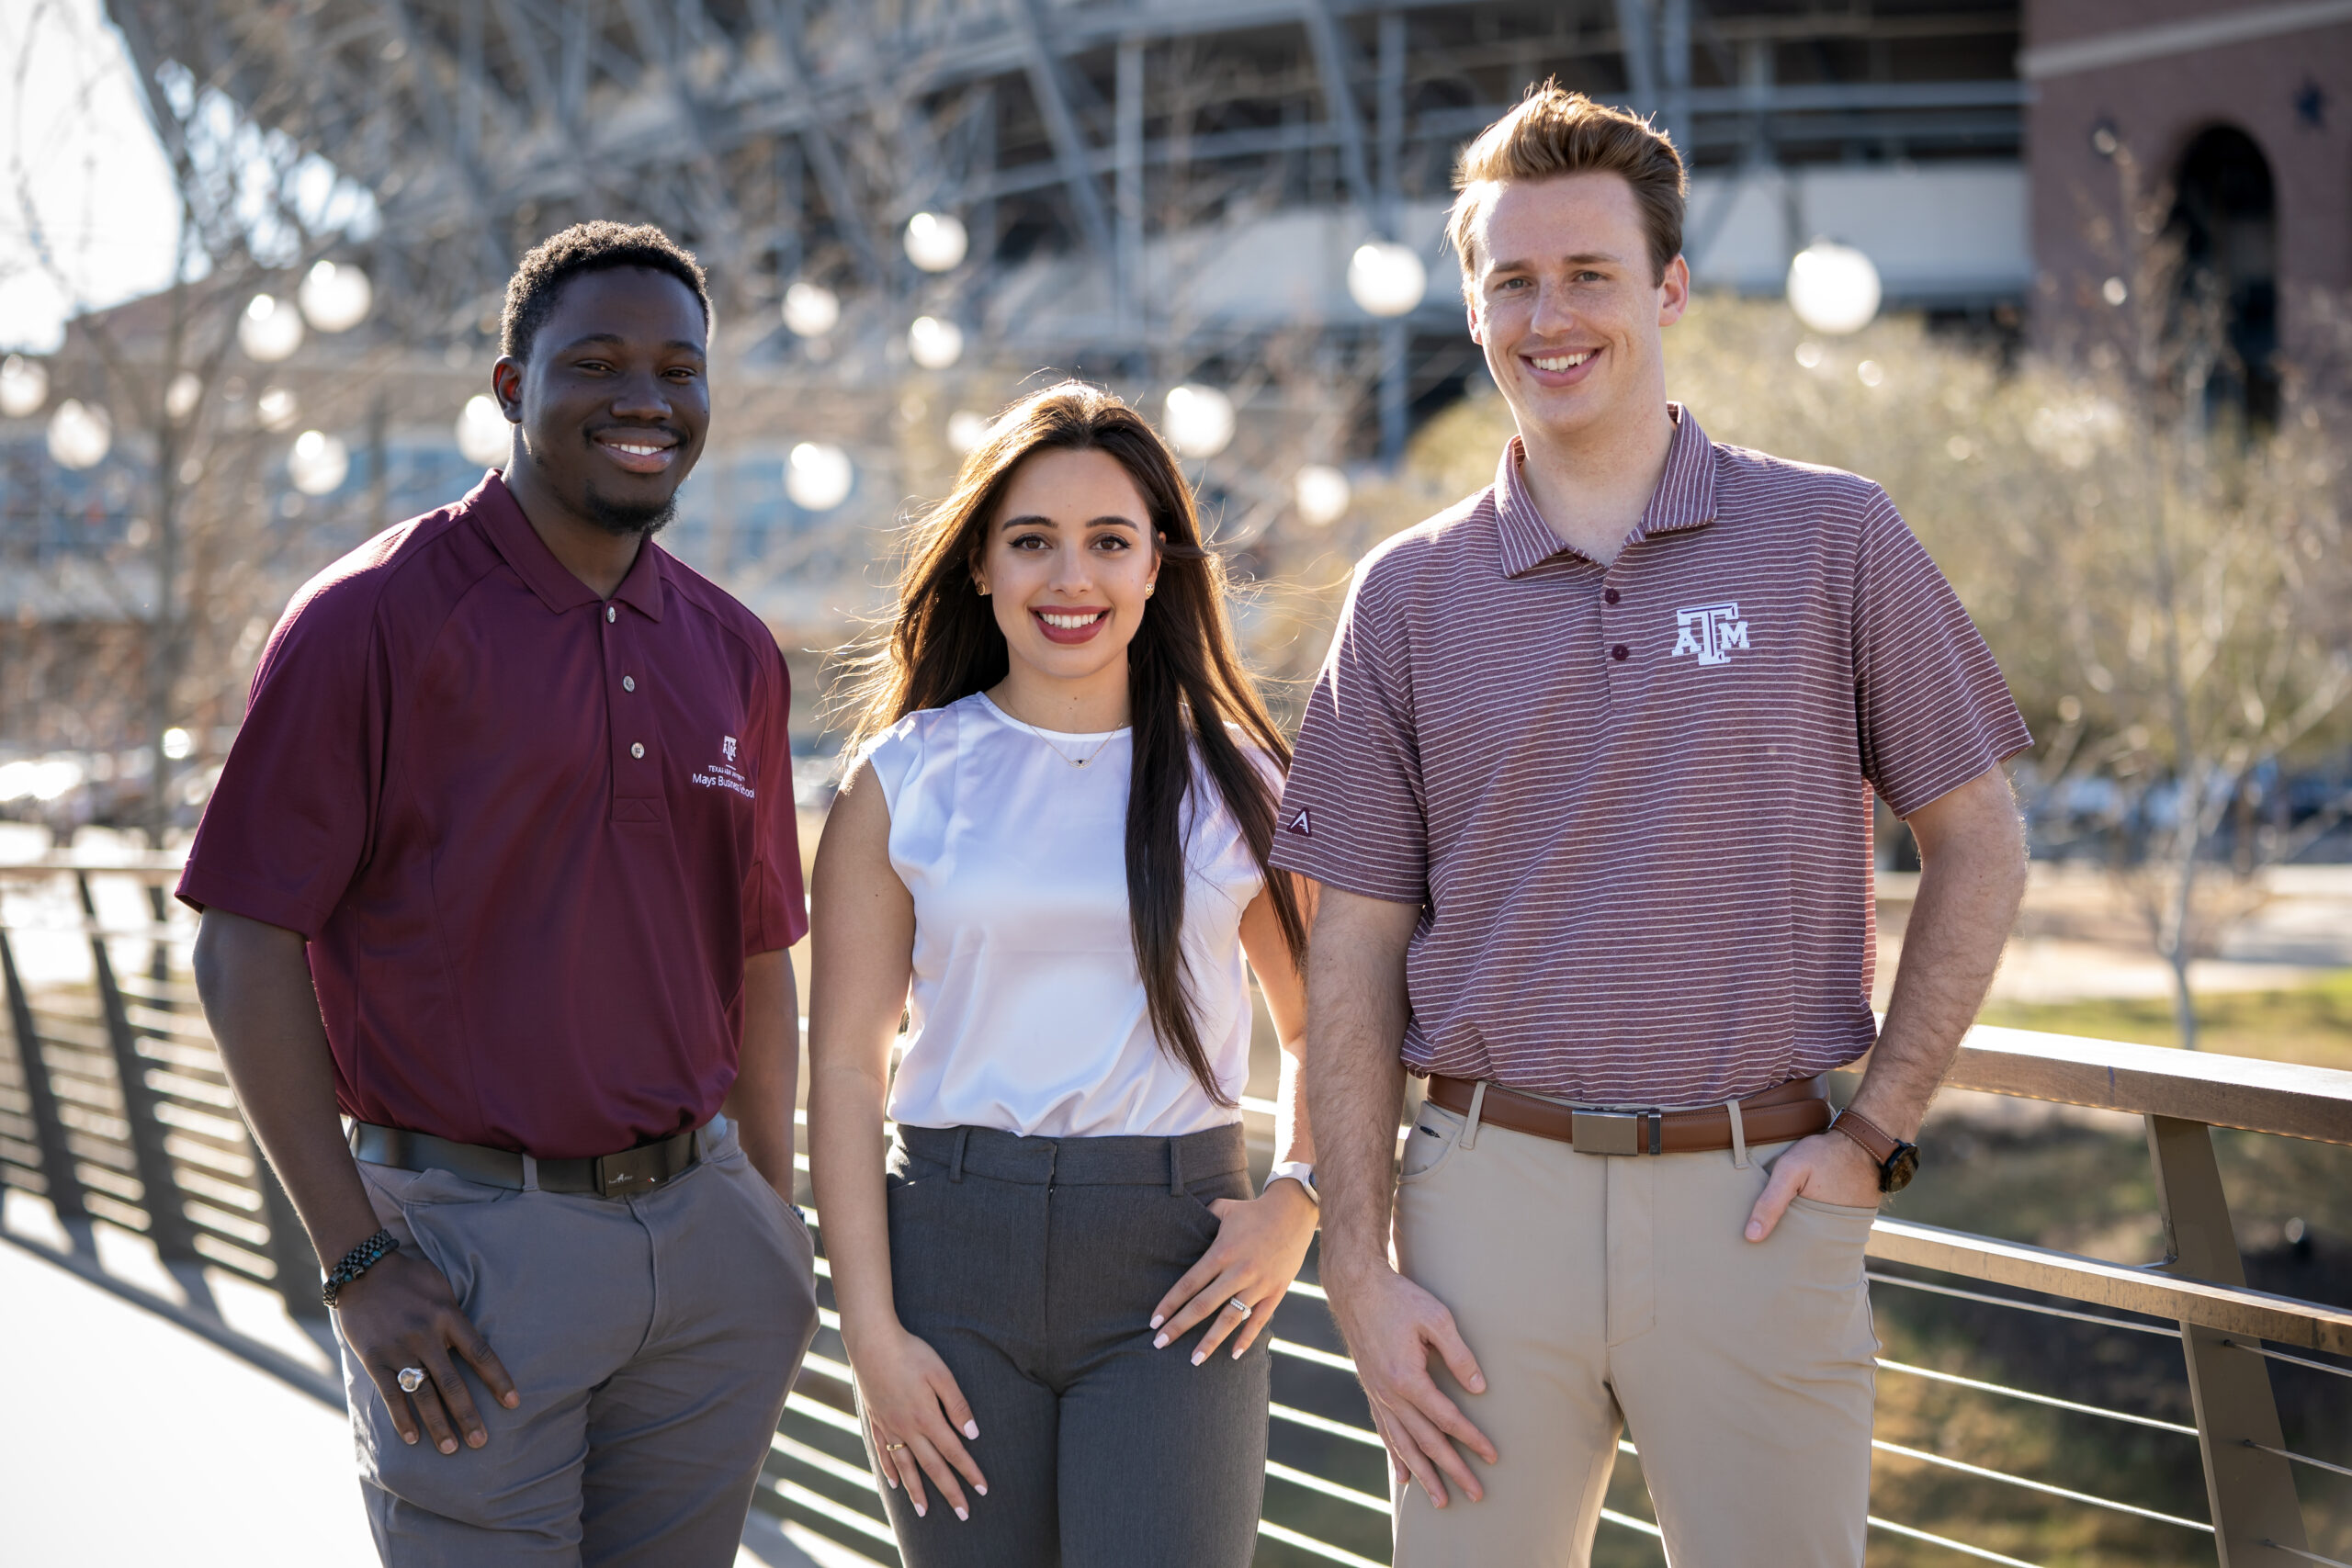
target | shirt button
x=611, y=614
x=637, y=748
x=1621, y=652
x=628, y=682
x=1611, y=596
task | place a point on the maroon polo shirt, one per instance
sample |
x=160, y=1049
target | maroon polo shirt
x=530, y=835
x=1633, y=801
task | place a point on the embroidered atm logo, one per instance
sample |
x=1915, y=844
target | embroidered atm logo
x=1711, y=631
x=725, y=775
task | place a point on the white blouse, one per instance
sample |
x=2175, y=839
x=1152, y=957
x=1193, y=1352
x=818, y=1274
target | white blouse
x=1028, y=1011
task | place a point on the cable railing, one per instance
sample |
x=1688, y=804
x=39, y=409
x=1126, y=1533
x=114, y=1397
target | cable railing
x=115, y=1111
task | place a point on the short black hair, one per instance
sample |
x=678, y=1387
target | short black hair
x=598, y=245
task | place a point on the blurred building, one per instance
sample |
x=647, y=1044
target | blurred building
x=2237, y=119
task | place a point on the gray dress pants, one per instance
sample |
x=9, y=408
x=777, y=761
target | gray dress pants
x=653, y=1340
x=1032, y=1266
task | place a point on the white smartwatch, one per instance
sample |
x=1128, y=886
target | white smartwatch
x=1297, y=1170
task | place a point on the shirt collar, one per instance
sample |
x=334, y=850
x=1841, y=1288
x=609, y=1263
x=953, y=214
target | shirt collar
x=519, y=544
x=1685, y=497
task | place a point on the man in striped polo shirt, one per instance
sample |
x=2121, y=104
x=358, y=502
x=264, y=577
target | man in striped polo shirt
x=1587, y=782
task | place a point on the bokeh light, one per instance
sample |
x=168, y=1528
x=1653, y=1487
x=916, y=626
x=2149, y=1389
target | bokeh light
x=270, y=330
x=1199, y=420
x=818, y=476
x=1833, y=288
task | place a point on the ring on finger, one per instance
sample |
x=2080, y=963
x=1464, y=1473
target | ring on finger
x=892, y=1447
x=1237, y=1304
x=411, y=1379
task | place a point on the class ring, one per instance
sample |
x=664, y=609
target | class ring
x=1237, y=1304
x=411, y=1379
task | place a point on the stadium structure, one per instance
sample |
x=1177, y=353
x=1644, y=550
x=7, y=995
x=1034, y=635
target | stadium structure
x=1149, y=192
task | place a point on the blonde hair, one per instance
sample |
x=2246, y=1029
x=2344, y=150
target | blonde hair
x=1553, y=133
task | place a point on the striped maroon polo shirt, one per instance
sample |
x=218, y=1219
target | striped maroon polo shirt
x=1634, y=801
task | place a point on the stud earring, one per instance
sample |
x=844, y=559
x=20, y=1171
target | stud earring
x=1148, y=589
x=981, y=589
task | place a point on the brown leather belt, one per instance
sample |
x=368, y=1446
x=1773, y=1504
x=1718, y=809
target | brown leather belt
x=1798, y=1109
x=628, y=1174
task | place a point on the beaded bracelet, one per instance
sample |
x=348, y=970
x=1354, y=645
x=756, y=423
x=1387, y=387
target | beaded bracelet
x=357, y=1261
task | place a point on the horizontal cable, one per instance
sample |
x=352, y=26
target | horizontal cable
x=817, y=1503
x=2041, y=1486
x=1324, y=1424
x=2299, y=1459
x=2051, y=1400
x=2281, y=1355
x=1273, y=1531
x=1314, y=1482
x=1309, y=1353
x=824, y=1414
x=1612, y=1517
x=821, y=1462
x=2306, y=1556
x=1945, y=1542
x=2101, y=1319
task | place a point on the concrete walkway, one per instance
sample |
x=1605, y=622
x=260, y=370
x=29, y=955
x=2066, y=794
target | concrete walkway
x=128, y=1440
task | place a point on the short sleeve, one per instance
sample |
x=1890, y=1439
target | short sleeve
x=1932, y=709
x=290, y=820
x=1352, y=814
x=895, y=754
x=776, y=905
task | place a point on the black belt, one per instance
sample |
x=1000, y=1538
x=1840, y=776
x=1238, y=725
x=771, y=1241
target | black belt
x=624, y=1175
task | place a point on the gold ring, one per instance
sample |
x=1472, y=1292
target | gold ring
x=892, y=1447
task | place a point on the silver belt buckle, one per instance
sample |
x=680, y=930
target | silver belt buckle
x=1607, y=1132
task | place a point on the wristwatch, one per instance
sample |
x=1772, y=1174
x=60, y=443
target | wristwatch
x=1297, y=1170
x=1897, y=1161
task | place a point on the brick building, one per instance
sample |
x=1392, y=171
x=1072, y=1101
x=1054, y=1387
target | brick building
x=2236, y=120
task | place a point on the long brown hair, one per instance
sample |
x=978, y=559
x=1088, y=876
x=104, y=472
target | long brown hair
x=1185, y=682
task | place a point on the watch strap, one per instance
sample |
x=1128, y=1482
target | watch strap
x=1300, y=1172
x=1874, y=1140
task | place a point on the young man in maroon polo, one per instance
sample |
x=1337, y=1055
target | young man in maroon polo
x=1587, y=784
x=501, y=868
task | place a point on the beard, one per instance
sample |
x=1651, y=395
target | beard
x=640, y=518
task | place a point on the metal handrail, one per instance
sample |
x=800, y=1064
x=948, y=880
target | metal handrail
x=117, y=1110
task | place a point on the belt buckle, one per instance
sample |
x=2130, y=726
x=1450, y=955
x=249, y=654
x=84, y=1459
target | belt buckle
x=1607, y=1132
x=625, y=1175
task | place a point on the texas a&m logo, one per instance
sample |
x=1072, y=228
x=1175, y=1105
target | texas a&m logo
x=727, y=744
x=1711, y=631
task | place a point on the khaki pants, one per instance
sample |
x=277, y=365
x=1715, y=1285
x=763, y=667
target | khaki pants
x=1600, y=1292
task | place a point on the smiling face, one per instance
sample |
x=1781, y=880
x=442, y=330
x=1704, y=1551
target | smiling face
x=614, y=402
x=1566, y=304
x=1068, y=564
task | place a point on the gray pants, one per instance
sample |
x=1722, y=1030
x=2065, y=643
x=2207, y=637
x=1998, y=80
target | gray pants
x=1032, y=1266
x=653, y=1340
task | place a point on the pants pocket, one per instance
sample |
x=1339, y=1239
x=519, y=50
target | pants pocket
x=1436, y=1133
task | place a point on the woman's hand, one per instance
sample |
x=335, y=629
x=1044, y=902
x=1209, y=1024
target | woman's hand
x=917, y=1414
x=1259, y=1244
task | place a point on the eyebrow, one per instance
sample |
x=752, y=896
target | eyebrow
x=1038, y=519
x=583, y=341
x=1579, y=258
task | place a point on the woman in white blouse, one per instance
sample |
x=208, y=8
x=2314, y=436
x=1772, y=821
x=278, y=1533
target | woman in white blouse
x=1050, y=858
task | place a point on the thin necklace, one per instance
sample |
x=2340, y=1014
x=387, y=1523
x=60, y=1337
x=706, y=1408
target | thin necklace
x=1046, y=735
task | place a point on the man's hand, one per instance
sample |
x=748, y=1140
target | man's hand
x=401, y=1314
x=1828, y=1167
x=1391, y=1326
